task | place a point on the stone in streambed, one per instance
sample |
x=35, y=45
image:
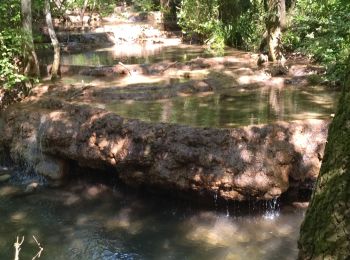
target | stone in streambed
x=4, y=170
x=31, y=187
x=5, y=177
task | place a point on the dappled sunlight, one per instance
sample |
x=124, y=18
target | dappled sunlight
x=18, y=216
x=142, y=79
x=141, y=146
x=88, y=219
x=222, y=233
x=239, y=238
x=125, y=50
x=72, y=199
x=124, y=221
x=312, y=115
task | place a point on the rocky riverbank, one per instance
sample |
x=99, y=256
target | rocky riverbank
x=255, y=162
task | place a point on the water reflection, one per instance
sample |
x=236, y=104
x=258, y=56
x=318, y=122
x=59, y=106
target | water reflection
x=235, y=107
x=132, y=54
x=93, y=222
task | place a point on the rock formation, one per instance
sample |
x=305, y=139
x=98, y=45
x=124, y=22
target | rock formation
x=255, y=162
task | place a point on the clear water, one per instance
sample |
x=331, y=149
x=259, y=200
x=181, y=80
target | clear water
x=235, y=107
x=94, y=222
x=132, y=54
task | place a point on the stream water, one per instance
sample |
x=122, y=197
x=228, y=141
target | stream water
x=132, y=54
x=234, y=108
x=95, y=222
x=230, y=108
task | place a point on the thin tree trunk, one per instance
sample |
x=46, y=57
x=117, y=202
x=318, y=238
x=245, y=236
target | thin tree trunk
x=54, y=41
x=281, y=11
x=274, y=23
x=83, y=9
x=275, y=34
x=92, y=11
x=31, y=60
x=282, y=14
x=325, y=232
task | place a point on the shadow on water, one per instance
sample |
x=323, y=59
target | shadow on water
x=94, y=221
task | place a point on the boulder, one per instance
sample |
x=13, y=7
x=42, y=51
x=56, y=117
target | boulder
x=255, y=162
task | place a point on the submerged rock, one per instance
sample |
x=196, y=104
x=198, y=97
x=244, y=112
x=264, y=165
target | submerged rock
x=31, y=187
x=256, y=162
x=5, y=177
x=5, y=170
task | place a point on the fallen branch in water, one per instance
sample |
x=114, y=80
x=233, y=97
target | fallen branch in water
x=17, y=246
x=40, y=249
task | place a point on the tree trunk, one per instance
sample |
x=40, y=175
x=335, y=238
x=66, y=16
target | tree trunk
x=92, y=11
x=54, y=41
x=282, y=14
x=274, y=24
x=30, y=58
x=83, y=9
x=325, y=232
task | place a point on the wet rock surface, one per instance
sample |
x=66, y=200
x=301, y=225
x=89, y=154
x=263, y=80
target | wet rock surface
x=256, y=162
x=52, y=168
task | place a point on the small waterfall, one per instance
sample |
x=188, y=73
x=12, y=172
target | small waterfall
x=227, y=209
x=26, y=158
x=272, y=209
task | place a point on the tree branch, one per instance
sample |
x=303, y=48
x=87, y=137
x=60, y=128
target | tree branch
x=17, y=246
x=41, y=249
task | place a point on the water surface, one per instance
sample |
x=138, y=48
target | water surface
x=235, y=107
x=132, y=54
x=94, y=222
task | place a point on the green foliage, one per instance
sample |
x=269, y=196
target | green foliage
x=236, y=23
x=104, y=7
x=11, y=40
x=322, y=30
x=246, y=28
x=146, y=5
x=9, y=59
x=202, y=19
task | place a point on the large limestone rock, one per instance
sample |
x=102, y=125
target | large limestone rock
x=256, y=162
